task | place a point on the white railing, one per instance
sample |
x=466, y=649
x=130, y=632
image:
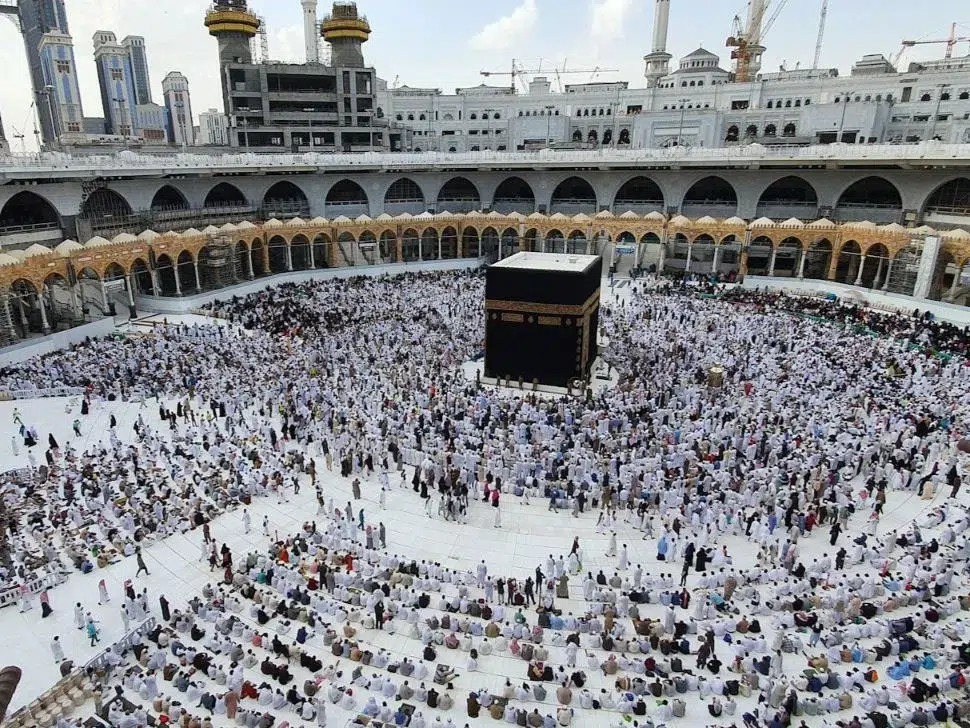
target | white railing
x=128, y=160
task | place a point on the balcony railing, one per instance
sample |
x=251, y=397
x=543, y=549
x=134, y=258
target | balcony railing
x=922, y=153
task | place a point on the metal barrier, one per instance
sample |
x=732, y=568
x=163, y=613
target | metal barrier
x=9, y=394
x=12, y=594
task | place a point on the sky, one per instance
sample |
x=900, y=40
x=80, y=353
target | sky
x=446, y=43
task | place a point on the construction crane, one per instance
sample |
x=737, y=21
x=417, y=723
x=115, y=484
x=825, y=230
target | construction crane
x=746, y=41
x=518, y=72
x=950, y=43
x=821, y=33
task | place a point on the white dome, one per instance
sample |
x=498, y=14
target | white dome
x=706, y=220
x=821, y=223
x=654, y=215
x=191, y=232
x=735, y=221
x=147, y=235
x=124, y=238
x=792, y=222
x=97, y=242
x=37, y=249
x=273, y=223
x=6, y=259
x=67, y=247
x=245, y=225
x=680, y=221
x=763, y=222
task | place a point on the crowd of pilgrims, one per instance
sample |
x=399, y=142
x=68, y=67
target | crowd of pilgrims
x=816, y=428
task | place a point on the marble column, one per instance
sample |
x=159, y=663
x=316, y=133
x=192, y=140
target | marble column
x=862, y=267
x=771, y=263
x=289, y=257
x=43, y=314
x=801, y=264
x=875, y=281
x=198, y=280
x=889, y=272
x=690, y=252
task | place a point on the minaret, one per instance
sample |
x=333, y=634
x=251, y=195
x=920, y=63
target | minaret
x=346, y=32
x=310, y=33
x=658, y=60
x=231, y=22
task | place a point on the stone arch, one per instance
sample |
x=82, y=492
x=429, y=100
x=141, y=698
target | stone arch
x=875, y=266
x=870, y=198
x=530, y=240
x=490, y=240
x=510, y=242
x=818, y=257
x=257, y=252
x=788, y=257
x=576, y=243
x=458, y=195
x=404, y=195
x=348, y=198
x=28, y=210
x=514, y=194
x=950, y=198
x=759, y=255
x=105, y=204
x=711, y=195
x=58, y=299
x=278, y=259
x=241, y=260
x=639, y=194
x=388, y=246
x=554, y=242
x=141, y=277
x=165, y=273
x=850, y=257
x=300, y=252
x=411, y=243
x=224, y=194
x=322, y=250
x=469, y=243
x=25, y=299
x=169, y=198
x=89, y=288
x=572, y=196
x=449, y=243
x=786, y=197
x=285, y=200
x=367, y=245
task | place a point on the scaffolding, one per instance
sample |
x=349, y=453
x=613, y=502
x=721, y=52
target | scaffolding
x=905, y=271
x=217, y=263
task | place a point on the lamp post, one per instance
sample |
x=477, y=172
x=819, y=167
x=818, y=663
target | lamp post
x=680, y=130
x=936, y=114
x=549, y=110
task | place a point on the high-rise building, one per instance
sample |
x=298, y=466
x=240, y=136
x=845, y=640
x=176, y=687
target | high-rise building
x=175, y=90
x=117, y=84
x=300, y=107
x=60, y=97
x=213, y=128
x=38, y=17
x=139, y=67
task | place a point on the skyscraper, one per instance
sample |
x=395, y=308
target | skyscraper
x=135, y=44
x=60, y=95
x=38, y=17
x=175, y=89
x=117, y=84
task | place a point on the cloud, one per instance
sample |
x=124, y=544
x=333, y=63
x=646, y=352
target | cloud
x=508, y=30
x=607, y=19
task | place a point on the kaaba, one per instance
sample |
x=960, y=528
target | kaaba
x=541, y=317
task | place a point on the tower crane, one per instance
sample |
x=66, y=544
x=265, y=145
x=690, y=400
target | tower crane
x=518, y=72
x=746, y=41
x=950, y=43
